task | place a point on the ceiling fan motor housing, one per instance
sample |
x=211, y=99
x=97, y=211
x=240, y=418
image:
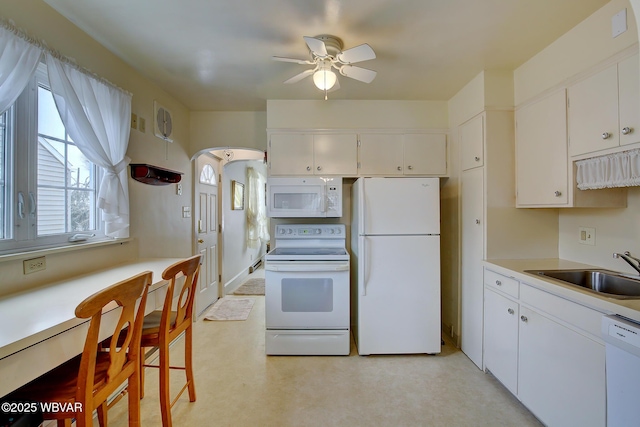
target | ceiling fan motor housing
x=333, y=44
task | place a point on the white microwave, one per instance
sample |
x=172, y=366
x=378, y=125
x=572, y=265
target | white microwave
x=308, y=197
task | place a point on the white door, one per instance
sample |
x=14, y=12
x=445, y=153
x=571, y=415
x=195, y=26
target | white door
x=206, y=229
x=472, y=253
x=399, y=295
x=406, y=206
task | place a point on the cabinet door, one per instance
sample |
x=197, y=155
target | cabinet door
x=561, y=373
x=542, y=169
x=472, y=244
x=472, y=143
x=629, y=101
x=381, y=154
x=335, y=154
x=425, y=154
x=291, y=154
x=593, y=113
x=501, y=338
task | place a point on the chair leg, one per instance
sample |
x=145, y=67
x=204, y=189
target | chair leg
x=102, y=414
x=133, y=390
x=141, y=371
x=165, y=397
x=188, y=360
x=66, y=422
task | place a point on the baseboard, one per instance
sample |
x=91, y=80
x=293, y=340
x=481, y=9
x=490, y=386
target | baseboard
x=448, y=331
x=239, y=278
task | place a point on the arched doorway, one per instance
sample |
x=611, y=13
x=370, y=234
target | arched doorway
x=221, y=231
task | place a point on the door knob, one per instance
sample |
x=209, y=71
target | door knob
x=200, y=240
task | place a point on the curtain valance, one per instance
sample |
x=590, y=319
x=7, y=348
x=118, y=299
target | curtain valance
x=613, y=170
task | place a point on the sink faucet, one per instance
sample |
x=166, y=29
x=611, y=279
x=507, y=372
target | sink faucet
x=631, y=260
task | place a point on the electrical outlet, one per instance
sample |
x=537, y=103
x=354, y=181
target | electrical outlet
x=34, y=264
x=587, y=236
x=134, y=121
x=142, y=124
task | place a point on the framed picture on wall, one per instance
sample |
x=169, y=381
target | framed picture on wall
x=237, y=195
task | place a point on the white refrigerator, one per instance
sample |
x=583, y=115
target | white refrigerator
x=395, y=286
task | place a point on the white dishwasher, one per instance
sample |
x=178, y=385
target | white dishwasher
x=622, y=337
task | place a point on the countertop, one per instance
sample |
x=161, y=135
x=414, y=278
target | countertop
x=629, y=308
x=34, y=315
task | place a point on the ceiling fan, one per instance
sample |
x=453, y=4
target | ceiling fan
x=327, y=54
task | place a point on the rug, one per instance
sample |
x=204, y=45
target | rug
x=230, y=309
x=251, y=287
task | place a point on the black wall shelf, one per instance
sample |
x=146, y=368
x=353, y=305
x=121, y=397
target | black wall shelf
x=154, y=175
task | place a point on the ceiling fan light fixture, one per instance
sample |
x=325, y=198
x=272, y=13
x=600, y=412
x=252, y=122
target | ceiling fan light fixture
x=324, y=79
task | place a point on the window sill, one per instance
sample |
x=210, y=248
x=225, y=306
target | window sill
x=34, y=253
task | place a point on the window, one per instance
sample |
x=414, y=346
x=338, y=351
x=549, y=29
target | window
x=48, y=186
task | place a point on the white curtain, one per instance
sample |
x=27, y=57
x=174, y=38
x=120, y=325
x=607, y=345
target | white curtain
x=18, y=61
x=257, y=227
x=97, y=116
x=613, y=170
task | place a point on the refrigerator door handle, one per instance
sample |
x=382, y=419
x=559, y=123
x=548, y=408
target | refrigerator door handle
x=363, y=267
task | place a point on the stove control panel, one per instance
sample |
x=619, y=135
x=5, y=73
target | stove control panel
x=315, y=231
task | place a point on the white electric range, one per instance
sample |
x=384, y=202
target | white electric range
x=307, y=291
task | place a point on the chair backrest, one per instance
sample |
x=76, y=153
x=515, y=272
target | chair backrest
x=124, y=359
x=189, y=269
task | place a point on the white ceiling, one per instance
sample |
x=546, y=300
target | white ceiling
x=216, y=54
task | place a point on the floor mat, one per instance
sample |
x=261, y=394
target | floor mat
x=230, y=309
x=251, y=287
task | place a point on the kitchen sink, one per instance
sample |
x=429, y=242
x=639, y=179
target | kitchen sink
x=604, y=282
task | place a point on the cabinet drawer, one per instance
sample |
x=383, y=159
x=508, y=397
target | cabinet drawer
x=505, y=284
x=577, y=315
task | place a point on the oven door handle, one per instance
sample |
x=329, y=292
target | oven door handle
x=304, y=267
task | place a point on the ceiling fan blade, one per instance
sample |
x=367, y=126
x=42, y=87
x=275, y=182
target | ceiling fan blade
x=316, y=46
x=297, y=61
x=357, y=54
x=298, y=77
x=358, y=73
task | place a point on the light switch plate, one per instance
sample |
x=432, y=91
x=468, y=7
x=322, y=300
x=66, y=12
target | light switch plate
x=587, y=236
x=619, y=23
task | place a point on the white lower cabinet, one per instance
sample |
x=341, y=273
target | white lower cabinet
x=546, y=351
x=501, y=338
x=561, y=376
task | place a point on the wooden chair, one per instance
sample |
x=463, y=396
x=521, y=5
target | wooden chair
x=162, y=327
x=87, y=380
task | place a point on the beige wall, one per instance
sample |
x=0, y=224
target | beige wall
x=340, y=114
x=156, y=220
x=211, y=129
x=586, y=45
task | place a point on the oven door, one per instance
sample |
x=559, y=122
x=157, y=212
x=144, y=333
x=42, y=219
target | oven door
x=307, y=295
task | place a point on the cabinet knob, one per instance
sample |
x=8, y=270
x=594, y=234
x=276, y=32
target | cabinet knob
x=399, y=168
x=524, y=318
x=477, y=159
x=308, y=168
x=410, y=167
x=605, y=135
x=626, y=130
x=558, y=193
x=319, y=168
x=510, y=311
x=498, y=282
x=477, y=221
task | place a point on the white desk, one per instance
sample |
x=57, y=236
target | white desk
x=39, y=329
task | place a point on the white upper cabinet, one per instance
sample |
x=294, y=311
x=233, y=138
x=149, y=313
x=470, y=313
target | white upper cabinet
x=425, y=154
x=628, y=100
x=313, y=154
x=603, y=109
x=471, y=135
x=403, y=154
x=542, y=174
x=335, y=154
x=381, y=154
x=291, y=154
